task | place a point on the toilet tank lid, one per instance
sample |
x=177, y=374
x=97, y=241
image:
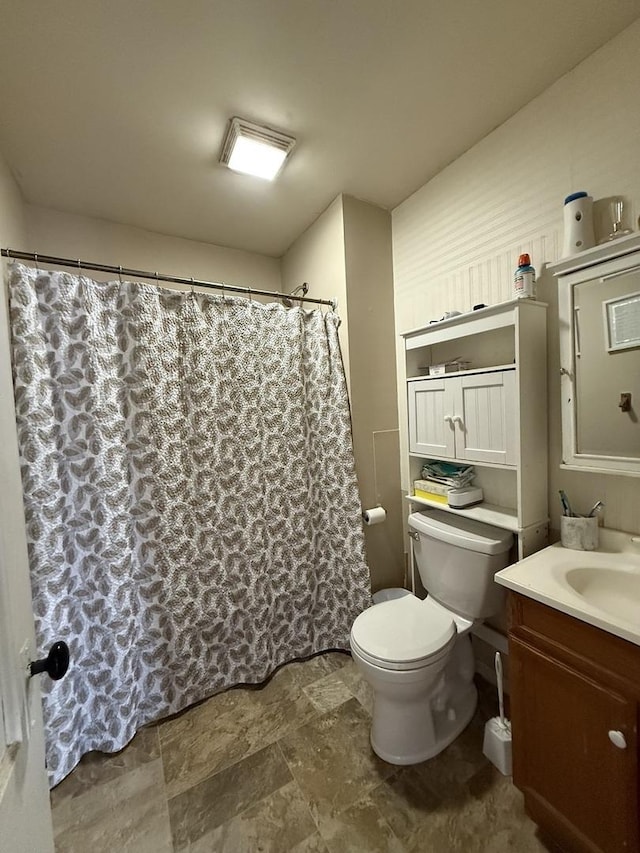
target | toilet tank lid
x=462, y=532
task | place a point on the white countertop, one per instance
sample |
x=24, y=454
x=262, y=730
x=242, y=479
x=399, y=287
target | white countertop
x=609, y=578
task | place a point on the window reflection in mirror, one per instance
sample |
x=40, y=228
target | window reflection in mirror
x=604, y=370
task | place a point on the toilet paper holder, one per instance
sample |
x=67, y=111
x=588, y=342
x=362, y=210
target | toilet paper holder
x=375, y=515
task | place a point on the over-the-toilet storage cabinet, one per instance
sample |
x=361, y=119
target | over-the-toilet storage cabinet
x=492, y=415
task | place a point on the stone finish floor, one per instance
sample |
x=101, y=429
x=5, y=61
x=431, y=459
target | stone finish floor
x=287, y=768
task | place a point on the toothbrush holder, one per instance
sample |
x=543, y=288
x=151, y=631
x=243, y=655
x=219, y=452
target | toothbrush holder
x=579, y=533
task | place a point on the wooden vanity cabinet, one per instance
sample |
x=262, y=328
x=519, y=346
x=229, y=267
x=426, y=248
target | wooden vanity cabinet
x=575, y=697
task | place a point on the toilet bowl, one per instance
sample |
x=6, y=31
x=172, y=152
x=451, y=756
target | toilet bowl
x=416, y=654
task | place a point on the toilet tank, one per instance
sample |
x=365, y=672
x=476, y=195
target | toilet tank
x=457, y=559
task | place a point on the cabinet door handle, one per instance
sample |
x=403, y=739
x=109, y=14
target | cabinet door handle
x=576, y=330
x=458, y=420
x=618, y=739
x=448, y=419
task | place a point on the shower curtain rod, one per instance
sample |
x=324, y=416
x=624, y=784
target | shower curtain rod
x=129, y=273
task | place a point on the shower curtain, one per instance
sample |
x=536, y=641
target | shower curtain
x=192, y=512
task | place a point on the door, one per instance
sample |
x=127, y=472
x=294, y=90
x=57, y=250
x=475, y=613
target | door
x=485, y=418
x=574, y=754
x=431, y=413
x=25, y=816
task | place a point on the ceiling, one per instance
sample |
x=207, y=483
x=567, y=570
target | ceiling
x=117, y=109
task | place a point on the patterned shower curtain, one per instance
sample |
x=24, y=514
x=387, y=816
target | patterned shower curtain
x=191, y=504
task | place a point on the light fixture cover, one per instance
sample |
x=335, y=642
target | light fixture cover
x=255, y=150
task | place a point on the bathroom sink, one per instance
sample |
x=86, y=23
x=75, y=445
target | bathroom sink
x=613, y=590
x=601, y=587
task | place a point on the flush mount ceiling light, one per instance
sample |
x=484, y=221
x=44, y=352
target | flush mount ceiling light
x=255, y=150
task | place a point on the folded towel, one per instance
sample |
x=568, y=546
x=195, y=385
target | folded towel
x=450, y=473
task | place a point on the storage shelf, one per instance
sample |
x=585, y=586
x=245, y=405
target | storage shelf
x=471, y=323
x=499, y=516
x=604, y=252
x=496, y=369
x=464, y=462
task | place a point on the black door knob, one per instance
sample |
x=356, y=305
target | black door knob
x=55, y=664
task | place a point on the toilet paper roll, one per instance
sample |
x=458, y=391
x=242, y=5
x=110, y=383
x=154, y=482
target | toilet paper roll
x=374, y=516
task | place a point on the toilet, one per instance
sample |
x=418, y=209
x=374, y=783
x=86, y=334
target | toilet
x=416, y=654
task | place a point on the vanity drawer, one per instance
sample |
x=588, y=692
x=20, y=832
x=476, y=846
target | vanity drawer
x=603, y=656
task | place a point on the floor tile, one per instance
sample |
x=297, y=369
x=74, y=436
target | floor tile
x=448, y=772
x=483, y=815
x=405, y=801
x=463, y=827
x=127, y=814
x=225, y=729
x=288, y=768
x=203, y=742
x=313, y=844
x=503, y=806
x=95, y=768
x=328, y=692
x=360, y=828
x=278, y=823
x=222, y=797
x=456, y=801
x=360, y=688
x=332, y=760
x=516, y=839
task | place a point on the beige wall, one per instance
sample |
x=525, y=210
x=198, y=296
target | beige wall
x=346, y=254
x=456, y=240
x=318, y=258
x=13, y=229
x=25, y=791
x=51, y=232
x=373, y=382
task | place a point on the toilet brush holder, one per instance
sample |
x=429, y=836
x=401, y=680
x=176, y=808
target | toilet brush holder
x=497, y=744
x=497, y=730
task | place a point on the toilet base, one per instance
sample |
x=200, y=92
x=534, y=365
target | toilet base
x=418, y=712
x=447, y=725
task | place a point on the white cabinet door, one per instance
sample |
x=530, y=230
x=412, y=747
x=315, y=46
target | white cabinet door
x=431, y=410
x=485, y=418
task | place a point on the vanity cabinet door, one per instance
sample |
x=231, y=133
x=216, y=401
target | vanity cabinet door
x=579, y=782
x=431, y=410
x=485, y=418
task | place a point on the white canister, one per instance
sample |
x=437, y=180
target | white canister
x=578, y=224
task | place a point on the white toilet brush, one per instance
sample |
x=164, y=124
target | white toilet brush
x=497, y=731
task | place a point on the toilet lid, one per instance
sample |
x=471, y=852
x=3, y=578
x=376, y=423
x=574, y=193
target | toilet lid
x=403, y=630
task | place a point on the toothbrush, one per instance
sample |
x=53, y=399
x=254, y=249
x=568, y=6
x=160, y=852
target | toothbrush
x=566, y=506
x=595, y=509
x=503, y=723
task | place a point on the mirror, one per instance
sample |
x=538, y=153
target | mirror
x=600, y=364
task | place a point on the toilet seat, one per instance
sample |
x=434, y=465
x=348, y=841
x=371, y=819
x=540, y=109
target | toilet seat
x=402, y=634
